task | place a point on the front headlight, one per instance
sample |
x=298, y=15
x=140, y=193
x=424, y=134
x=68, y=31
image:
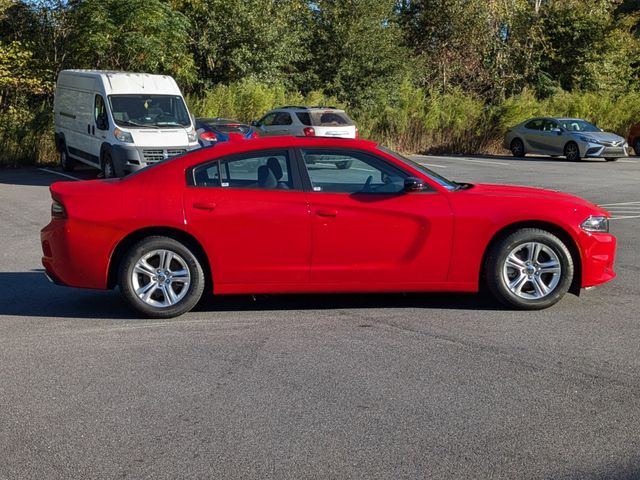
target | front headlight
x=192, y=135
x=123, y=136
x=588, y=139
x=595, y=224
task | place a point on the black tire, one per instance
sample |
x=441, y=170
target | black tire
x=517, y=148
x=107, y=166
x=497, y=271
x=344, y=165
x=572, y=152
x=66, y=163
x=636, y=146
x=187, y=258
x=611, y=159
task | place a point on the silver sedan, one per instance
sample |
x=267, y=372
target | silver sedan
x=572, y=138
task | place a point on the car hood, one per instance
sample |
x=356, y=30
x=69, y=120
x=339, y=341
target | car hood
x=600, y=136
x=530, y=193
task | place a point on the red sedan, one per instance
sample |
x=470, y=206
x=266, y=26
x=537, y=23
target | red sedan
x=275, y=215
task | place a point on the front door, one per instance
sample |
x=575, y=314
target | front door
x=251, y=215
x=367, y=233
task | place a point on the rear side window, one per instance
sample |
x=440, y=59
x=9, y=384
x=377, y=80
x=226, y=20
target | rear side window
x=304, y=117
x=261, y=170
x=534, y=125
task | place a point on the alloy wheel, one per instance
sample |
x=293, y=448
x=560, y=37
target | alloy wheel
x=532, y=270
x=161, y=278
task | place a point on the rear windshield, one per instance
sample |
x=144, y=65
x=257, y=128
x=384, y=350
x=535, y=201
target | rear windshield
x=327, y=118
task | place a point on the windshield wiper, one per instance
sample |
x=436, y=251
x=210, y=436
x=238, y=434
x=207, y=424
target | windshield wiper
x=129, y=123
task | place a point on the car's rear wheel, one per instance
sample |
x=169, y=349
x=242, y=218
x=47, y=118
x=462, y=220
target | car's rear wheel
x=67, y=164
x=530, y=269
x=636, y=146
x=572, y=152
x=517, y=147
x=161, y=277
x=344, y=165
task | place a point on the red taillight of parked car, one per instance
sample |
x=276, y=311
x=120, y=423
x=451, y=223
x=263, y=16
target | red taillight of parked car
x=208, y=137
x=309, y=132
x=57, y=210
x=254, y=135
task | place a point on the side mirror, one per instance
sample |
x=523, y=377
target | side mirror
x=557, y=130
x=413, y=184
x=255, y=123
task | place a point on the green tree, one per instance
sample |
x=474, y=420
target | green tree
x=239, y=39
x=136, y=35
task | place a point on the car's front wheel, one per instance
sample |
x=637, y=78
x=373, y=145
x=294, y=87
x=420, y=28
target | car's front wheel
x=161, y=278
x=530, y=269
x=572, y=152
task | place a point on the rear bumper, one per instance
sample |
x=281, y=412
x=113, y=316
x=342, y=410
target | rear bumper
x=74, y=256
x=598, y=256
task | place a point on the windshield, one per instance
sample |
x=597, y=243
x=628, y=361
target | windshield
x=446, y=183
x=151, y=111
x=573, y=125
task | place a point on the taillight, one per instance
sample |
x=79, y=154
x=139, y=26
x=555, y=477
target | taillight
x=254, y=135
x=208, y=136
x=309, y=132
x=57, y=210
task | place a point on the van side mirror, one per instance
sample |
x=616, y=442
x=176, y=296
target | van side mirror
x=413, y=184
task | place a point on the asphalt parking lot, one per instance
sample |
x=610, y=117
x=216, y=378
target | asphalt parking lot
x=327, y=387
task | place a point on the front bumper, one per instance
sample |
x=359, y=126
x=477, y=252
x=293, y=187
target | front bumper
x=598, y=252
x=596, y=150
x=129, y=158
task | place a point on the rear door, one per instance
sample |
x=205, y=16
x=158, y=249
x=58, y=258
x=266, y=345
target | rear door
x=251, y=215
x=367, y=234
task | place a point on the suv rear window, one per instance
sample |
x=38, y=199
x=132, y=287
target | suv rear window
x=328, y=118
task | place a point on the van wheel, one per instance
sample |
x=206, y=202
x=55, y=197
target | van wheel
x=161, y=277
x=107, y=166
x=67, y=164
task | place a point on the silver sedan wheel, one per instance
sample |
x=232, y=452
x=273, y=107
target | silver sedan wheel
x=532, y=271
x=161, y=278
x=571, y=152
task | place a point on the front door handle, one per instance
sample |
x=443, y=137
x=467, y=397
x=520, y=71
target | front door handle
x=204, y=205
x=327, y=213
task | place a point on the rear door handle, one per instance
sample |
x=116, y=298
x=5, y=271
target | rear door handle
x=204, y=205
x=327, y=213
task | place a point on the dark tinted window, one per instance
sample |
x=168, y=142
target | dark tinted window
x=100, y=113
x=549, y=125
x=304, y=117
x=282, y=118
x=351, y=172
x=534, y=125
x=262, y=170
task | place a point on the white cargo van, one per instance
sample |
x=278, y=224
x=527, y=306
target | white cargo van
x=120, y=122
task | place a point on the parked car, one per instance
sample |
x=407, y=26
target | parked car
x=634, y=138
x=214, y=130
x=307, y=122
x=572, y=138
x=198, y=221
x=119, y=122
x=310, y=122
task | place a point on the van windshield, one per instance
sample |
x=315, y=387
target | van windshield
x=151, y=111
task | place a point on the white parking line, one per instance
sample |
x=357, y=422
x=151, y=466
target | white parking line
x=488, y=162
x=624, y=217
x=628, y=161
x=59, y=173
x=457, y=159
x=619, y=204
x=433, y=165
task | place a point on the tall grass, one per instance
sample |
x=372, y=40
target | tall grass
x=409, y=119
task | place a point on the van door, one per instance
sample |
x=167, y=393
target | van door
x=97, y=129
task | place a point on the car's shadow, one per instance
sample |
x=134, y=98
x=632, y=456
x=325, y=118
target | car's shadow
x=29, y=294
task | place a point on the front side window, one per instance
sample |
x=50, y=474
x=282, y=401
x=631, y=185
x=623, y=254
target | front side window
x=267, y=120
x=282, y=118
x=151, y=111
x=549, y=125
x=263, y=170
x=100, y=113
x=351, y=172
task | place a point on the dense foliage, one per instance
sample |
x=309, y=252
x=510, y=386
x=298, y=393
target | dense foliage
x=420, y=75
